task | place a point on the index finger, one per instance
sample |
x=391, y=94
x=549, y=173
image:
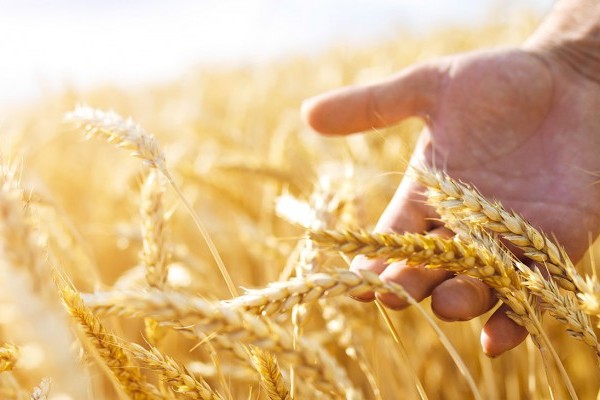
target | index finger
x=411, y=92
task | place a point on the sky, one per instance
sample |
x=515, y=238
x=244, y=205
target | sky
x=45, y=45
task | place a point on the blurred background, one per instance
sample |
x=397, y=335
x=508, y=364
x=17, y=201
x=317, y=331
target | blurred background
x=220, y=83
x=49, y=45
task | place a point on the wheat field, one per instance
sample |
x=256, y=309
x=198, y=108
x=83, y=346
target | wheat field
x=199, y=249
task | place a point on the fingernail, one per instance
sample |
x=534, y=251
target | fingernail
x=359, y=299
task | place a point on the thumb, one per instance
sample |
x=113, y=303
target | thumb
x=411, y=92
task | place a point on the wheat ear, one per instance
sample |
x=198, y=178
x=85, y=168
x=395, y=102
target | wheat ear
x=9, y=354
x=276, y=298
x=453, y=197
x=451, y=254
x=562, y=306
x=175, y=375
x=109, y=348
x=270, y=375
x=310, y=359
x=41, y=391
x=129, y=135
x=492, y=267
x=154, y=255
x=528, y=310
x=124, y=133
x=467, y=203
x=590, y=296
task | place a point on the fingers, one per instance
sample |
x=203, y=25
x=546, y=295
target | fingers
x=419, y=282
x=462, y=298
x=412, y=92
x=405, y=213
x=501, y=334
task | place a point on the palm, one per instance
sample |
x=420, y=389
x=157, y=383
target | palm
x=525, y=138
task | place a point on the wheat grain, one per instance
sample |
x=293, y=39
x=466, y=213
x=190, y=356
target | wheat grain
x=480, y=261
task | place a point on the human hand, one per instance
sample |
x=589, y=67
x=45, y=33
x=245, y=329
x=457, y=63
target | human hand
x=520, y=124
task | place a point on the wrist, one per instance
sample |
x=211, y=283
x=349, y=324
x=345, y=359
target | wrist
x=571, y=35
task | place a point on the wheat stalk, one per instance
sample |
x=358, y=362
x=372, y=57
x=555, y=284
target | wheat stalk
x=340, y=325
x=24, y=272
x=270, y=375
